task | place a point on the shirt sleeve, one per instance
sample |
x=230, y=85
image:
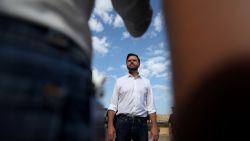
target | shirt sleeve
x=136, y=14
x=114, y=99
x=150, y=100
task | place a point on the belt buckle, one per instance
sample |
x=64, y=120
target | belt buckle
x=131, y=115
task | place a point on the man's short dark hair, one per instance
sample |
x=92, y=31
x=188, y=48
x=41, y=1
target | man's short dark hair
x=132, y=54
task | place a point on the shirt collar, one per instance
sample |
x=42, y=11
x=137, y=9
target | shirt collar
x=138, y=76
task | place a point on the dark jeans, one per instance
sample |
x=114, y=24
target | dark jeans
x=128, y=128
x=45, y=85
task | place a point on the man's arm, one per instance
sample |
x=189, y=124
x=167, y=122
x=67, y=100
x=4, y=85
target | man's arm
x=111, y=115
x=154, y=129
x=136, y=14
x=152, y=113
x=111, y=128
x=111, y=112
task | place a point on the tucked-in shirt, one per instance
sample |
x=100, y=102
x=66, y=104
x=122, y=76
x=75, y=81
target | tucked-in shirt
x=132, y=96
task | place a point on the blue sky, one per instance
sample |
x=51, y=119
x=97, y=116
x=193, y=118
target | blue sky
x=111, y=44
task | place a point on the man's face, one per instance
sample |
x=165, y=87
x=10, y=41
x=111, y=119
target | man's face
x=132, y=63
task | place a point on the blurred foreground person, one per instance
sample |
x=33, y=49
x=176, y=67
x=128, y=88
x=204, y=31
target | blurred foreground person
x=171, y=124
x=45, y=74
x=210, y=50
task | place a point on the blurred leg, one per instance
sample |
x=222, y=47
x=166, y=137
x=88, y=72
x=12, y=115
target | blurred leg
x=140, y=130
x=44, y=89
x=123, y=128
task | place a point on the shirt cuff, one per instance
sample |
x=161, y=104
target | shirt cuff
x=151, y=111
x=112, y=107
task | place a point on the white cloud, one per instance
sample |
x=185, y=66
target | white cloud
x=125, y=35
x=95, y=25
x=165, y=75
x=161, y=45
x=112, y=77
x=151, y=34
x=100, y=44
x=110, y=69
x=160, y=87
x=158, y=22
x=161, y=92
x=118, y=22
x=124, y=67
x=158, y=52
x=103, y=9
x=98, y=77
x=144, y=71
x=155, y=66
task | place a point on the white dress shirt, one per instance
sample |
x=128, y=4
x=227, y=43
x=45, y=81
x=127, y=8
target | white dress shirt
x=132, y=96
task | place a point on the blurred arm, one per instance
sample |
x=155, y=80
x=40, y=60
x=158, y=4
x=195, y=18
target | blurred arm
x=136, y=14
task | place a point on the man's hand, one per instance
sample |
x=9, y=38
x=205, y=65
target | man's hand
x=111, y=128
x=111, y=133
x=154, y=134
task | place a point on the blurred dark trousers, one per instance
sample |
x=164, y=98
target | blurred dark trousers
x=128, y=128
x=45, y=85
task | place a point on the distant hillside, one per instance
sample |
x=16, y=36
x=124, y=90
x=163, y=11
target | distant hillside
x=162, y=118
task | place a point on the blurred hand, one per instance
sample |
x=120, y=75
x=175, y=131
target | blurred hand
x=111, y=133
x=154, y=134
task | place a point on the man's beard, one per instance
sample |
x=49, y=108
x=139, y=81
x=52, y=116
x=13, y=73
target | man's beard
x=131, y=69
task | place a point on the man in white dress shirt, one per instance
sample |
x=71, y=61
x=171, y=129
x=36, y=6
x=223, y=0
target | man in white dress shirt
x=132, y=101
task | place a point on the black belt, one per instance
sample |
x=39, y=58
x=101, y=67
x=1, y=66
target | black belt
x=131, y=116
